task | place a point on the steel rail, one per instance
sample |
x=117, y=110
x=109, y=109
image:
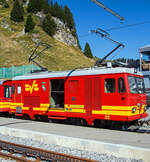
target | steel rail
x=37, y=153
x=13, y=157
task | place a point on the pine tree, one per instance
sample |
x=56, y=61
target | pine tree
x=49, y=25
x=29, y=26
x=34, y=6
x=87, y=51
x=45, y=6
x=16, y=13
x=69, y=18
x=51, y=7
x=58, y=11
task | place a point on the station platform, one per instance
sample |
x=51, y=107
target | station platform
x=117, y=143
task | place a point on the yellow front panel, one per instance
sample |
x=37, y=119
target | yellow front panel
x=119, y=110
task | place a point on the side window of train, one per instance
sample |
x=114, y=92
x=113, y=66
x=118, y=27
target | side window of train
x=7, y=91
x=19, y=89
x=13, y=89
x=110, y=85
x=121, y=85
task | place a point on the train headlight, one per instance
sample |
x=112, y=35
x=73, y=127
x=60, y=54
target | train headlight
x=145, y=108
x=133, y=109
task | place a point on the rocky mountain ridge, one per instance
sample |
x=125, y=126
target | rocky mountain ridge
x=63, y=33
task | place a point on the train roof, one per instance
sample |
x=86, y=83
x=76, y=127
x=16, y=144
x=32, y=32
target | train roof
x=77, y=72
x=145, y=49
x=2, y=81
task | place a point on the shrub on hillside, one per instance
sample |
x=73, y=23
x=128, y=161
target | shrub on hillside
x=4, y=3
x=29, y=26
x=49, y=25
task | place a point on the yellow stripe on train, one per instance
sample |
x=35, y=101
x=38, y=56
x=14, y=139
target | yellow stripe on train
x=74, y=106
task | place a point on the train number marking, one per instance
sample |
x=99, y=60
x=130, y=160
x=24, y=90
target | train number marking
x=107, y=117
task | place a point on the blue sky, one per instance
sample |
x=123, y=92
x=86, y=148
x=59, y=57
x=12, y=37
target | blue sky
x=89, y=16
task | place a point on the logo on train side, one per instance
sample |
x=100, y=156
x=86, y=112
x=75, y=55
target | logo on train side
x=31, y=88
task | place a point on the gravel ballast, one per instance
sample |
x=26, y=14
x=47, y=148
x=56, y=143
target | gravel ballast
x=66, y=150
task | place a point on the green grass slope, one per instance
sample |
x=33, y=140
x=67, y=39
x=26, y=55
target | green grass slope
x=16, y=48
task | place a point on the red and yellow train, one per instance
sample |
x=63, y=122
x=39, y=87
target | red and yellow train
x=94, y=94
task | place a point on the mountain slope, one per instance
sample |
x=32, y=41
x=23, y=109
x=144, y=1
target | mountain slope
x=15, y=47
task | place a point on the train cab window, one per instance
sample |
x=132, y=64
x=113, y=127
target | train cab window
x=132, y=84
x=109, y=85
x=121, y=85
x=140, y=85
x=19, y=89
x=136, y=84
x=7, y=91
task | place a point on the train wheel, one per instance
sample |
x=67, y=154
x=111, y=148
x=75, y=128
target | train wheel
x=83, y=122
x=43, y=118
x=26, y=117
x=118, y=125
x=97, y=123
x=112, y=125
x=37, y=118
x=76, y=121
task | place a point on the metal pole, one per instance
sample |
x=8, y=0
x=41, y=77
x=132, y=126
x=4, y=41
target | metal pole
x=140, y=61
x=108, y=9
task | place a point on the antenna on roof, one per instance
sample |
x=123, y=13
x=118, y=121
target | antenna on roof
x=35, y=55
x=106, y=35
x=108, y=9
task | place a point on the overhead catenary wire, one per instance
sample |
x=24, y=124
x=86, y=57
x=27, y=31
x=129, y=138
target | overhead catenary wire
x=119, y=27
x=128, y=25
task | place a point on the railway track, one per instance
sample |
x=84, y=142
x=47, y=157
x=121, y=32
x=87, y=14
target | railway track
x=10, y=150
x=142, y=126
x=138, y=129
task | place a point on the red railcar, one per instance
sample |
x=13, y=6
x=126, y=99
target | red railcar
x=5, y=95
x=115, y=94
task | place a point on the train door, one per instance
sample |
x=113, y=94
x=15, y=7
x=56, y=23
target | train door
x=110, y=91
x=122, y=95
x=12, y=107
x=18, y=99
x=88, y=96
x=56, y=93
x=97, y=94
x=74, y=92
x=92, y=94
